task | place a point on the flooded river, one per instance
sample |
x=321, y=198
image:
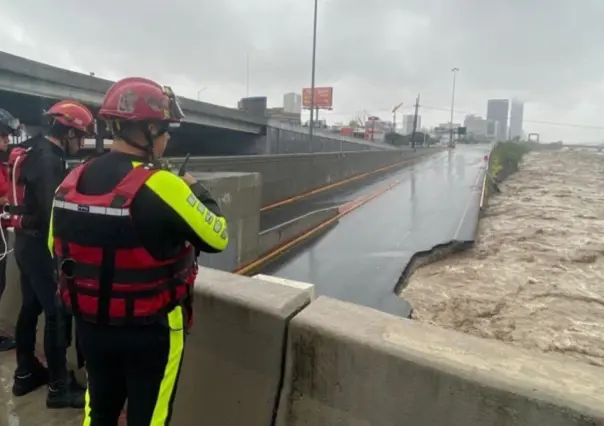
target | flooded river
x=535, y=277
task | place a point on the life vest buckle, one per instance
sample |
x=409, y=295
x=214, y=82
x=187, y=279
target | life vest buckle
x=67, y=267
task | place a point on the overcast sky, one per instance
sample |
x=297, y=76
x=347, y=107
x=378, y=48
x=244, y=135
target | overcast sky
x=374, y=53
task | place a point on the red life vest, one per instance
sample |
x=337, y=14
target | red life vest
x=105, y=274
x=16, y=186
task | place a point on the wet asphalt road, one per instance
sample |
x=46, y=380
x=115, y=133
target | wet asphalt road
x=361, y=258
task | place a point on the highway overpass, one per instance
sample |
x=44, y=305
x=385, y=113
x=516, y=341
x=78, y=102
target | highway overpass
x=28, y=87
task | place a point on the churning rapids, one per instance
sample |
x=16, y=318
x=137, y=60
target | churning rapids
x=535, y=277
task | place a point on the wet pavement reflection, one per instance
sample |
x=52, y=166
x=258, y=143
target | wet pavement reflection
x=361, y=259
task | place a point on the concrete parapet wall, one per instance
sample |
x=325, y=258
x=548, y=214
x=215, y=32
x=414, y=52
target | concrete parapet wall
x=351, y=365
x=285, y=176
x=238, y=195
x=286, y=139
x=262, y=352
x=271, y=238
x=232, y=369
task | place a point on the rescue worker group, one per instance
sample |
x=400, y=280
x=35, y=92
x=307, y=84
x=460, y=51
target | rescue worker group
x=109, y=249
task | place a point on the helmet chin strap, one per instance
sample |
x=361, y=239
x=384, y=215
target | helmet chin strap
x=147, y=148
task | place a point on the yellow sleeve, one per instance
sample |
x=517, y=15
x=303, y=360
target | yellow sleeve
x=51, y=238
x=177, y=194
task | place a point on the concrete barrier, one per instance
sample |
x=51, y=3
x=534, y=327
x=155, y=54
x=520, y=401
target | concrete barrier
x=271, y=238
x=351, y=365
x=262, y=352
x=238, y=195
x=285, y=176
x=233, y=364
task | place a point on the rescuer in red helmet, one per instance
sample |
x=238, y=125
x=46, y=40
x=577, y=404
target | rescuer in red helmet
x=126, y=235
x=9, y=127
x=37, y=168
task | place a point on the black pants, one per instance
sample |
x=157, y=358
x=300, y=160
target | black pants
x=139, y=365
x=39, y=294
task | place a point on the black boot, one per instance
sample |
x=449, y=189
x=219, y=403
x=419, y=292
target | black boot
x=31, y=378
x=66, y=394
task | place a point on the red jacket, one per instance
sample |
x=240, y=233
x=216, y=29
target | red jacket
x=4, y=184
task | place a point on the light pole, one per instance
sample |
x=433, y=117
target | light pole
x=247, y=74
x=312, y=78
x=199, y=93
x=454, y=71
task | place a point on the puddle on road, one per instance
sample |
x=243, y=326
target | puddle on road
x=535, y=278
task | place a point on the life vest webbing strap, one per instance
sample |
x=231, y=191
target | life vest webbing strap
x=73, y=296
x=180, y=267
x=106, y=276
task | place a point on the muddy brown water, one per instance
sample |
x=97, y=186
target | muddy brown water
x=535, y=277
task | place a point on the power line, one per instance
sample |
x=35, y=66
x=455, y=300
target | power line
x=548, y=123
x=551, y=123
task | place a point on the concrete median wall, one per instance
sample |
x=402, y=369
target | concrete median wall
x=285, y=176
x=354, y=366
x=281, y=234
x=232, y=369
x=265, y=353
x=238, y=195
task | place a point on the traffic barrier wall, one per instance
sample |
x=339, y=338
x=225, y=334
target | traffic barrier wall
x=271, y=238
x=232, y=369
x=238, y=195
x=285, y=176
x=265, y=353
x=351, y=365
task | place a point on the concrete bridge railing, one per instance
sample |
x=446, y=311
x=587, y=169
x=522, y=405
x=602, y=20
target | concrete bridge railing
x=265, y=352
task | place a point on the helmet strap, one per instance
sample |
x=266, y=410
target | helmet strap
x=147, y=148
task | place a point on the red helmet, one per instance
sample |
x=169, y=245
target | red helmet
x=140, y=99
x=72, y=114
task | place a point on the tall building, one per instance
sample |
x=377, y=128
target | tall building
x=516, y=119
x=292, y=103
x=492, y=130
x=283, y=116
x=408, y=123
x=475, y=125
x=497, y=110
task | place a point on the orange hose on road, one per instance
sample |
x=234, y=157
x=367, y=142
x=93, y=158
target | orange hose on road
x=343, y=211
x=332, y=185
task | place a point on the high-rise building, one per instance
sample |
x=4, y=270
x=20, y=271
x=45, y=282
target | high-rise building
x=292, y=103
x=408, y=123
x=516, y=119
x=475, y=125
x=497, y=110
x=492, y=130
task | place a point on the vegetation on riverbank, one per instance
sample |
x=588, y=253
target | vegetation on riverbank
x=506, y=157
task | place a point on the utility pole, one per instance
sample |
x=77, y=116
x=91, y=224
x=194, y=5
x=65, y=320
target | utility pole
x=415, y=123
x=247, y=74
x=394, y=110
x=454, y=71
x=312, y=78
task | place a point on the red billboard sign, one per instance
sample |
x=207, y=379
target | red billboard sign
x=323, y=97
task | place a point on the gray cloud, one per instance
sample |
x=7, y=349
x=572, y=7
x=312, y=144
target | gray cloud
x=375, y=54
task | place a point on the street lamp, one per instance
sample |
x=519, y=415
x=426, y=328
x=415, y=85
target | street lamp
x=454, y=71
x=312, y=78
x=199, y=92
